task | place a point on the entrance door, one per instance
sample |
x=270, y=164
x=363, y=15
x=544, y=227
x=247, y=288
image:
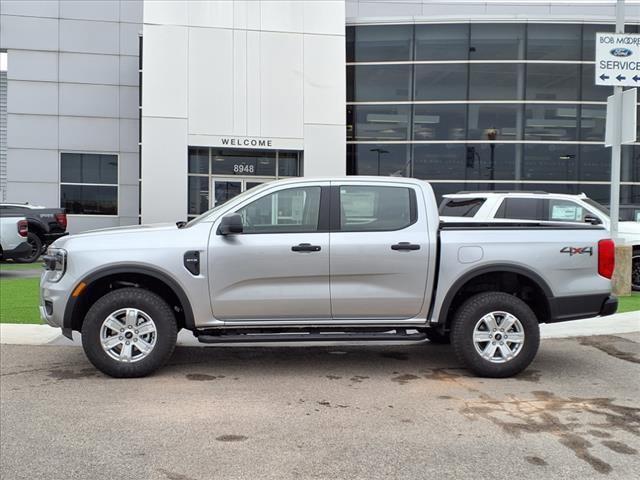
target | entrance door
x=225, y=189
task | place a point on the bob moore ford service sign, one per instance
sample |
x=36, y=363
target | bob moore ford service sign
x=618, y=59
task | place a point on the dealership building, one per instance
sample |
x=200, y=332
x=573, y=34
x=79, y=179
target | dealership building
x=146, y=111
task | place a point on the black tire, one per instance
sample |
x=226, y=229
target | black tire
x=36, y=249
x=150, y=303
x=436, y=336
x=470, y=314
x=635, y=271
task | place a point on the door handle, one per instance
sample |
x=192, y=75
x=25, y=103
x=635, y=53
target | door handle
x=306, y=247
x=405, y=246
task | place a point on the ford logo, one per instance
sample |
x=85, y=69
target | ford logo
x=621, y=52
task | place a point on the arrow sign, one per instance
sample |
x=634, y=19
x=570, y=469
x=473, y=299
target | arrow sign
x=617, y=59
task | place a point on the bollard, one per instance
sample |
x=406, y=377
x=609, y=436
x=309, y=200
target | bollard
x=621, y=280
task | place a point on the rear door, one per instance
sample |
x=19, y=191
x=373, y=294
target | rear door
x=379, y=251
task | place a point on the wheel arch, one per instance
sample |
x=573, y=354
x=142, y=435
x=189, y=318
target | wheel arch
x=111, y=278
x=514, y=279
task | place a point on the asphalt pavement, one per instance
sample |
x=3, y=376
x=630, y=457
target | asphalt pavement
x=323, y=413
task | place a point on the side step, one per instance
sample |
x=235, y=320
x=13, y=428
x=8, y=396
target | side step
x=400, y=335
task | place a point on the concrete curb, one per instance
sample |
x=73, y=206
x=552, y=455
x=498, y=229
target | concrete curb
x=19, y=334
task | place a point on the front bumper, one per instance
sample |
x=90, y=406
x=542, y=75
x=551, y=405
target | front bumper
x=22, y=250
x=53, y=299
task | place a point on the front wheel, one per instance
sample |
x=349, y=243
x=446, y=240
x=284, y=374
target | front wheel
x=129, y=332
x=495, y=334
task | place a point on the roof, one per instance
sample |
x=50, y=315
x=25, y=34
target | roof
x=519, y=193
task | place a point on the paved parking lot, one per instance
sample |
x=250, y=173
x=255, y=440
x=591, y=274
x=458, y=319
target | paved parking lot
x=325, y=413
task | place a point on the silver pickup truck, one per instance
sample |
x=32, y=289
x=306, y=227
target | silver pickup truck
x=351, y=259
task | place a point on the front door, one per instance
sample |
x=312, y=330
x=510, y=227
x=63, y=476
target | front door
x=278, y=268
x=379, y=252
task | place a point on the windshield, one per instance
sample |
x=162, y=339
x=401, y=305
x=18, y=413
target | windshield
x=460, y=207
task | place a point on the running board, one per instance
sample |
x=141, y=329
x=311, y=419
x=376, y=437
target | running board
x=312, y=337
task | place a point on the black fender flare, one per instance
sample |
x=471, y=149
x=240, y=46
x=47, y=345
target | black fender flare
x=495, y=268
x=189, y=321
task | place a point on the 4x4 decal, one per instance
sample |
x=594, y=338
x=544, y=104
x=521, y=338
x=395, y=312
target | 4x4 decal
x=577, y=251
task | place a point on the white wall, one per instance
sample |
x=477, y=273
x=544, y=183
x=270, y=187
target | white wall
x=258, y=69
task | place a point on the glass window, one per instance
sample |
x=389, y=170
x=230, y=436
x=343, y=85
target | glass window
x=595, y=164
x=243, y=162
x=439, y=122
x=551, y=122
x=377, y=43
x=521, y=209
x=492, y=161
x=552, y=81
x=288, y=164
x=592, y=122
x=442, y=42
x=89, y=183
x=496, y=81
x=590, y=91
x=549, y=161
x=380, y=122
x=630, y=167
x=445, y=161
x=370, y=208
x=284, y=211
x=88, y=168
x=486, y=118
x=371, y=83
x=198, y=195
x=460, y=207
x=565, y=211
x=441, y=82
x=199, y=160
x=378, y=159
x=501, y=41
x=89, y=199
x=553, y=41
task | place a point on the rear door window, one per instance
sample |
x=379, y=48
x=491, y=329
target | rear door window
x=565, y=211
x=522, y=209
x=460, y=207
x=373, y=208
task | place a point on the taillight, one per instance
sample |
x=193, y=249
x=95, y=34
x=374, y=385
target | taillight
x=606, y=257
x=23, y=228
x=61, y=218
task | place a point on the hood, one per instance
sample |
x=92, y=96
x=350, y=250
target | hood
x=132, y=229
x=629, y=227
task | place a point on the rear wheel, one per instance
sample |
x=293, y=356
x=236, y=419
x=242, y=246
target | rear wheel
x=36, y=249
x=495, y=334
x=130, y=332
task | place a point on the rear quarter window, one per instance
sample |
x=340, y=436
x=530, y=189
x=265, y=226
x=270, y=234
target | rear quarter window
x=460, y=207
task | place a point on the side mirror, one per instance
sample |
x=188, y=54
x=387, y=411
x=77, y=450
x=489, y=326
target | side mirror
x=230, y=224
x=593, y=220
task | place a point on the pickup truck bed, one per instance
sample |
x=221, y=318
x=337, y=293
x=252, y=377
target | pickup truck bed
x=326, y=260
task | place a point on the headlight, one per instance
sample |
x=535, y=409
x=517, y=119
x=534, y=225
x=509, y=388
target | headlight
x=55, y=261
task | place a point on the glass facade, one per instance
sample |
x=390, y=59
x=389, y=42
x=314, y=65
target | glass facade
x=481, y=106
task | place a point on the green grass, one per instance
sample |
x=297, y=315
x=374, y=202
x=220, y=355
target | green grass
x=20, y=266
x=19, y=299
x=629, y=304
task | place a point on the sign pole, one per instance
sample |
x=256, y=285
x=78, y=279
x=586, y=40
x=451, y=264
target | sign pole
x=616, y=147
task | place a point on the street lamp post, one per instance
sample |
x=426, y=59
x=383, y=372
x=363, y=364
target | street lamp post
x=492, y=133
